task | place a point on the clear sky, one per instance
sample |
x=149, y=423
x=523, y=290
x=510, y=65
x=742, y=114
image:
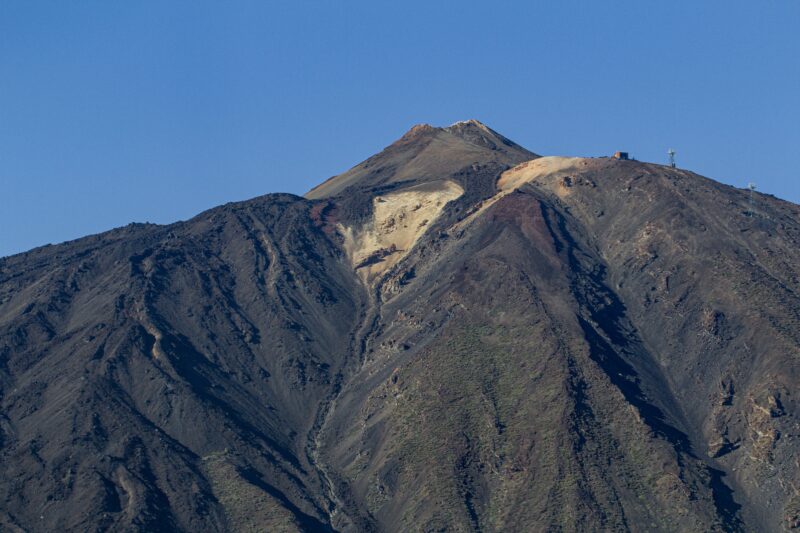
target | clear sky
x=112, y=112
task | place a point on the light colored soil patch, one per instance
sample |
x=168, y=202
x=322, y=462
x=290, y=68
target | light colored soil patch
x=399, y=219
x=528, y=171
x=536, y=169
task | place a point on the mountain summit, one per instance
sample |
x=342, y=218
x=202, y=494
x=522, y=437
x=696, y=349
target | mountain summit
x=427, y=153
x=454, y=335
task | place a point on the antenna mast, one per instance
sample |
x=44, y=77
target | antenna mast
x=671, y=153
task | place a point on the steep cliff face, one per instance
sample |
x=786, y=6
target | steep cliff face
x=454, y=335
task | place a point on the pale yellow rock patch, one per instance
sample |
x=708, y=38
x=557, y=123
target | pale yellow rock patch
x=541, y=167
x=399, y=219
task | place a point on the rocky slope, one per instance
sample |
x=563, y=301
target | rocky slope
x=455, y=335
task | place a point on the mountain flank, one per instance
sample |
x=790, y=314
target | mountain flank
x=454, y=335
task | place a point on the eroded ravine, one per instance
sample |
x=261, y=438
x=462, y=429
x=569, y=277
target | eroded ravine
x=343, y=513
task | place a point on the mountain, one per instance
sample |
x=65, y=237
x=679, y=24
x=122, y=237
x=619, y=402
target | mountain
x=424, y=154
x=454, y=335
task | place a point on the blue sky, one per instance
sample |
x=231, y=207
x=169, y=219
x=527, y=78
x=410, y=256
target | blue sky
x=112, y=112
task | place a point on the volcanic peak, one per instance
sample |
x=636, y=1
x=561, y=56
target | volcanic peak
x=426, y=153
